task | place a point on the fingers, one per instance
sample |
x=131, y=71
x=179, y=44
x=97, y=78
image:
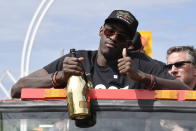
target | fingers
x=73, y=60
x=125, y=60
x=124, y=63
x=124, y=52
x=72, y=66
x=81, y=59
x=124, y=67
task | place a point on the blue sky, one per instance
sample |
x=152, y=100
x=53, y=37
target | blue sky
x=75, y=24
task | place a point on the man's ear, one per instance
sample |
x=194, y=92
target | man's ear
x=100, y=30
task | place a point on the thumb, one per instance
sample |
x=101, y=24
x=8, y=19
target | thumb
x=124, y=52
x=81, y=59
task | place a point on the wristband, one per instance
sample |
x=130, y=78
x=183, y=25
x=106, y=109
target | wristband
x=154, y=83
x=151, y=82
x=53, y=79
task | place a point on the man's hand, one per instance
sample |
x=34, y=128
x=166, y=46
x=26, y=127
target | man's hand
x=125, y=67
x=71, y=66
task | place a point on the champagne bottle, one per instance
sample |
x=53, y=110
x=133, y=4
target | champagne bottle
x=78, y=106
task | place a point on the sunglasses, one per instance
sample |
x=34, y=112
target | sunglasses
x=177, y=64
x=119, y=36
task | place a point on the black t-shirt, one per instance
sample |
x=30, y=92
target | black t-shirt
x=109, y=77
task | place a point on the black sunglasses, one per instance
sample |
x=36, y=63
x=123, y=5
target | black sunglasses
x=177, y=64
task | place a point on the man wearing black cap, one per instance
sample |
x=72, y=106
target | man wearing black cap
x=110, y=67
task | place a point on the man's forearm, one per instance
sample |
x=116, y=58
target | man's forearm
x=30, y=82
x=153, y=82
x=166, y=84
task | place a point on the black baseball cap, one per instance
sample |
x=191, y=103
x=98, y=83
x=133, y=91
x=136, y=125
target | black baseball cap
x=125, y=17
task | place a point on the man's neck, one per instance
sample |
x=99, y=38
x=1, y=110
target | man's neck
x=102, y=61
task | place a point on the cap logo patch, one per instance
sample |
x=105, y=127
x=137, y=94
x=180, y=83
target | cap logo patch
x=125, y=16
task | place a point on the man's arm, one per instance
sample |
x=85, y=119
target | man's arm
x=157, y=82
x=37, y=79
x=42, y=79
x=170, y=84
x=125, y=66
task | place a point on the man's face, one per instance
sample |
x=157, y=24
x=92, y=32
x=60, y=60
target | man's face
x=182, y=69
x=114, y=37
